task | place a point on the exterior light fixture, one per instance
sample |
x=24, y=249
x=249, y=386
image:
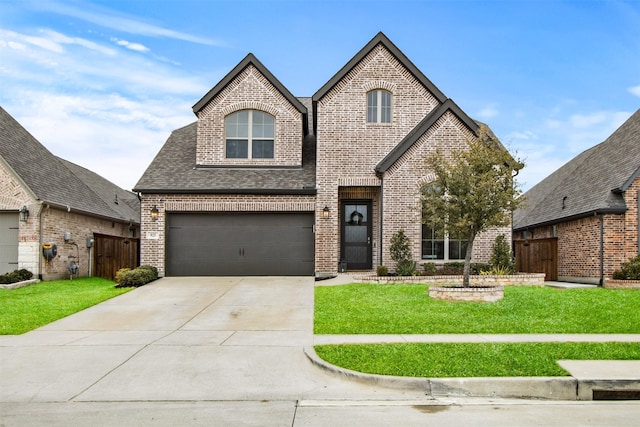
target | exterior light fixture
x=24, y=214
x=326, y=212
x=154, y=212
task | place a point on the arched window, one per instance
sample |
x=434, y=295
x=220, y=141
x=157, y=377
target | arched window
x=379, y=106
x=249, y=135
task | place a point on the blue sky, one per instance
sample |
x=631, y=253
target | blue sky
x=103, y=83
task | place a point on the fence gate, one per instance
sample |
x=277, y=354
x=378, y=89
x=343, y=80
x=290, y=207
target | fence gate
x=538, y=256
x=111, y=253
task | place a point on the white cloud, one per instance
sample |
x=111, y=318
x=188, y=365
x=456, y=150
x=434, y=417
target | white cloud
x=635, y=90
x=109, y=18
x=133, y=46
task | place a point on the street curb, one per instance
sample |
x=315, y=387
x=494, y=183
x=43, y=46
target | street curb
x=543, y=388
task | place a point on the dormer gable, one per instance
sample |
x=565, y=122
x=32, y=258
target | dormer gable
x=250, y=119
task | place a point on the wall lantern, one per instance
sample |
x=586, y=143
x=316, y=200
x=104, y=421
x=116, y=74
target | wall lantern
x=24, y=214
x=326, y=212
x=154, y=212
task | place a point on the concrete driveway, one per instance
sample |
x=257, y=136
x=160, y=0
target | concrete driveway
x=177, y=340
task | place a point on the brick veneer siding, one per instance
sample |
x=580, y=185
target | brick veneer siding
x=54, y=222
x=579, y=241
x=153, y=231
x=349, y=148
x=264, y=97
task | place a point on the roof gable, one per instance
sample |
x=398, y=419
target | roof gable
x=58, y=182
x=248, y=60
x=422, y=127
x=590, y=183
x=380, y=38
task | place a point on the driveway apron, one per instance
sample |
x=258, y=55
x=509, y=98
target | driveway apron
x=180, y=339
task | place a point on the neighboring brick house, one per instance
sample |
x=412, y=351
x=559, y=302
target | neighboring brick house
x=265, y=183
x=43, y=197
x=581, y=222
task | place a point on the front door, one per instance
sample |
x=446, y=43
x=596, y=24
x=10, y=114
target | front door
x=356, y=234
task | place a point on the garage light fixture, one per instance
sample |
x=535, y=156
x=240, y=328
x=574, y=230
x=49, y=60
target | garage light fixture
x=24, y=214
x=326, y=212
x=154, y=212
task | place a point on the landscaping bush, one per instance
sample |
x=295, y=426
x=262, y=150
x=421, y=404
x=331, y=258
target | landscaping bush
x=628, y=270
x=429, y=269
x=382, y=270
x=400, y=250
x=126, y=277
x=501, y=258
x=16, y=276
x=452, y=268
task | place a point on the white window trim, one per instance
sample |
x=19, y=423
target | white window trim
x=250, y=137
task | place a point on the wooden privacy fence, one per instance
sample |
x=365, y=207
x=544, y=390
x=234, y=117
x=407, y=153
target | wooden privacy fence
x=111, y=253
x=538, y=256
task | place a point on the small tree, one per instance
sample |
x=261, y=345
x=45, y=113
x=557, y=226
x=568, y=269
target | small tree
x=501, y=257
x=400, y=250
x=474, y=190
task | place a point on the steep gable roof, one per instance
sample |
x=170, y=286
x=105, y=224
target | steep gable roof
x=380, y=38
x=248, y=60
x=591, y=183
x=424, y=125
x=59, y=182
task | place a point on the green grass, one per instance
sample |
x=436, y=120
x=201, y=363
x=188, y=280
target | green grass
x=456, y=360
x=406, y=309
x=27, y=308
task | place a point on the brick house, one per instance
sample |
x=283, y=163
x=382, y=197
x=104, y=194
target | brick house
x=47, y=201
x=266, y=183
x=581, y=221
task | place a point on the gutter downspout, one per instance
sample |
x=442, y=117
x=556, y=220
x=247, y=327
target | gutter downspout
x=601, y=284
x=41, y=238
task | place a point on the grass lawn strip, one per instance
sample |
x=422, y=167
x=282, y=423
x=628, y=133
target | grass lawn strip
x=406, y=309
x=30, y=307
x=458, y=360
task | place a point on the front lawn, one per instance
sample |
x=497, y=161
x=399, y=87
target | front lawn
x=407, y=309
x=30, y=307
x=457, y=360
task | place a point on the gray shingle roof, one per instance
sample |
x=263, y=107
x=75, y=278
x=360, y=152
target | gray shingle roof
x=174, y=170
x=588, y=184
x=59, y=182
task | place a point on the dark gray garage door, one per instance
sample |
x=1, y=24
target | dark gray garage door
x=240, y=244
x=8, y=241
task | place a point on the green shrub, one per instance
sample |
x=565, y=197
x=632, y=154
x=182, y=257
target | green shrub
x=16, y=276
x=480, y=267
x=400, y=250
x=453, y=268
x=382, y=270
x=628, y=270
x=126, y=277
x=429, y=269
x=501, y=258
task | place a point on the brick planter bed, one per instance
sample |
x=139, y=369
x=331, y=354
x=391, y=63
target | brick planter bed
x=527, y=279
x=472, y=293
x=621, y=284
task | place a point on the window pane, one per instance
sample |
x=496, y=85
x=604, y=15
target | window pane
x=262, y=149
x=385, y=107
x=237, y=125
x=432, y=243
x=372, y=106
x=263, y=125
x=237, y=148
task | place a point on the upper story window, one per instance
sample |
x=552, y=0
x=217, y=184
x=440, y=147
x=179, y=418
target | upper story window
x=379, y=106
x=249, y=135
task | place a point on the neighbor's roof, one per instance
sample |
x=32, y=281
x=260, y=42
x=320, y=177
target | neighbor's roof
x=59, y=182
x=589, y=184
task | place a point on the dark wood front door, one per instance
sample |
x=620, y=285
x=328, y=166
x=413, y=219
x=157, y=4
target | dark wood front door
x=356, y=234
